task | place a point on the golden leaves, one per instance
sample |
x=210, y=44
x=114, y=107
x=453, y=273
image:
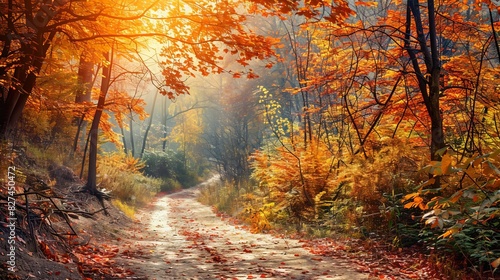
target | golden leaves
x=303, y=172
x=122, y=162
x=417, y=202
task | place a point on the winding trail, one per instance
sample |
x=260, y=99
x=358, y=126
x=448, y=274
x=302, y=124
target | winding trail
x=184, y=239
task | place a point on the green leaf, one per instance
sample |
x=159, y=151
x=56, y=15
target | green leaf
x=441, y=151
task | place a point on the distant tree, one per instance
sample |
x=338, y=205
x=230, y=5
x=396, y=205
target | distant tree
x=233, y=130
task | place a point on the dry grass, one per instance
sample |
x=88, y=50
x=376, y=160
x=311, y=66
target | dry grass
x=225, y=197
x=125, y=208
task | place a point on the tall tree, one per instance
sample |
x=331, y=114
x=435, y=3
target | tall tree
x=29, y=31
x=91, y=185
x=83, y=96
x=428, y=80
x=26, y=40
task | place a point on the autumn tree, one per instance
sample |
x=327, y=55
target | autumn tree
x=24, y=46
x=214, y=23
x=194, y=34
x=28, y=32
x=91, y=185
x=428, y=81
x=47, y=120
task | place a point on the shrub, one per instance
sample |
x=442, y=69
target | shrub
x=376, y=180
x=121, y=174
x=295, y=177
x=222, y=195
x=464, y=208
x=170, y=185
x=170, y=166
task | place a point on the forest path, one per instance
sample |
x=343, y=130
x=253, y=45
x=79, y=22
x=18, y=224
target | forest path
x=184, y=239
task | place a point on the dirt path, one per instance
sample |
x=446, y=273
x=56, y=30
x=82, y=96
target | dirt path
x=183, y=239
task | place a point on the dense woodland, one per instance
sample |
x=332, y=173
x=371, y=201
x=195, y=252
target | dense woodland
x=374, y=119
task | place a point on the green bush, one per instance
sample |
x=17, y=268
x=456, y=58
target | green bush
x=481, y=245
x=170, y=185
x=158, y=165
x=402, y=224
x=170, y=166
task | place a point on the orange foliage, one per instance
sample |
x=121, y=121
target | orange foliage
x=389, y=167
x=469, y=195
x=295, y=176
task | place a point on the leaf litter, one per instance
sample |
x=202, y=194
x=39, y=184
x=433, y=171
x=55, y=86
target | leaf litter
x=181, y=238
x=177, y=237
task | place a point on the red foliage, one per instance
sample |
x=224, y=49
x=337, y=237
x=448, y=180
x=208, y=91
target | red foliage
x=93, y=261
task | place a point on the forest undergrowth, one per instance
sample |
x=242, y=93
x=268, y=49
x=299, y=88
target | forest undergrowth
x=385, y=203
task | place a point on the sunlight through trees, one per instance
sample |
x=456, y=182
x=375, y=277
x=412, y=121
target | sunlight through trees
x=367, y=118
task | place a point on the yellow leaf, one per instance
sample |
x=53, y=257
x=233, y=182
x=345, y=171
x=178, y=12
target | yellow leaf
x=456, y=196
x=427, y=183
x=367, y=4
x=422, y=206
x=471, y=171
x=417, y=202
x=446, y=164
x=449, y=232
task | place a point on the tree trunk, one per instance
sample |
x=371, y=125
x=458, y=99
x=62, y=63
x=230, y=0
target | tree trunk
x=83, y=94
x=144, y=140
x=164, y=124
x=437, y=133
x=122, y=131
x=428, y=83
x=91, y=185
x=131, y=126
x=85, y=80
x=429, y=88
x=13, y=104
